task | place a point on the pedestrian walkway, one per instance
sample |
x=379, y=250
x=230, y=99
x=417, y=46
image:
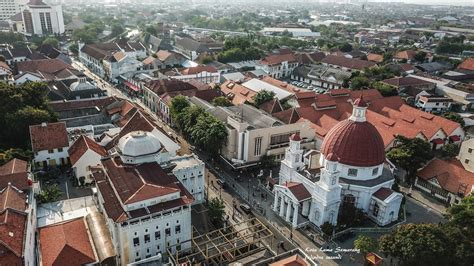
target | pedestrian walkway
x=425, y=200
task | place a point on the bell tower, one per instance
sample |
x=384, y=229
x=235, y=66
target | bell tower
x=293, y=161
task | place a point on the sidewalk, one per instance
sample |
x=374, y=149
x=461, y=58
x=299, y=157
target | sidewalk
x=425, y=200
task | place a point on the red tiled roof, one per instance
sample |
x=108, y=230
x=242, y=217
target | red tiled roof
x=383, y=193
x=355, y=143
x=125, y=184
x=390, y=115
x=298, y=190
x=15, y=172
x=468, y=64
x=288, y=116
x=408, y=55
x=138, y=122
x=450, y=175
x=89, y=103
x=295, y=260
x=272, y=106
x=281, y=84
x=49, y=136
x=66, y=243
x=377, y=58
x=277, y=59
x=237, y=93
x=406, y=67
x=49, y=69
x=351, y=63
x=12, y=223
x=199, y=69
x=169, y=85
x=81, y=146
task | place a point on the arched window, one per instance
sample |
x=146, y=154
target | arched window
x=317, y=215
x=349, y=199
x=375, y=211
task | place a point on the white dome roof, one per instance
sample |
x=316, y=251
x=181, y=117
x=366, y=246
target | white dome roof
x=81, y=84
x=138, y=143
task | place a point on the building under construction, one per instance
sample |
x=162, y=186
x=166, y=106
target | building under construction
x=224, y=245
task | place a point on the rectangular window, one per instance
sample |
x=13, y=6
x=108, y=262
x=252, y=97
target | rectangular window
x=466, y=161
x=147, y=238
x=177, y=229
x=258, y=146
x=352, y=172
x=50, y=151
x=136, y=241
x=168, y=231
x=470, y=150
x=157, y=235
x=281, y=138
x=60, y=149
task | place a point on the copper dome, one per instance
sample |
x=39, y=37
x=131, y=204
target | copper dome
x=355, y=144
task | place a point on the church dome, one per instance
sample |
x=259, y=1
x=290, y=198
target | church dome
x=355, y=144
x=138, y=143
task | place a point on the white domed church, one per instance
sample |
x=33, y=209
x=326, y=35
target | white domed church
x=350, y=168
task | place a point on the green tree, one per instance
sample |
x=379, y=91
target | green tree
x=262, y=97
x=327, y=229
x=49, y=194
x=116, y=30
x=345, y=47
x=9, y=154
x=152, y=30
x=450, y=150
x=51, y=41
x=417, y=244
x=359, y=82
x=350, y=216
x=216, y=212
x=384, y=89
x=221, y=101
x=455, y=117
x=420, y=56
x=410, y=154
x=178, y=105
x=366, y=244
x=74, y=48
x=21, y=106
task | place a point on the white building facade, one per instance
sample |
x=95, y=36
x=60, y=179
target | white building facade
x=42, y=19
x=352, y=171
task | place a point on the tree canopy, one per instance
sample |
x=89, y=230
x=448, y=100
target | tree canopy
x=410, y=154
x=216, y=212
x=203, y=129
x=262, y=97
x=455, y=117
x=20, y=107
x=52, y=41
x=221, y=101
x=366, y=244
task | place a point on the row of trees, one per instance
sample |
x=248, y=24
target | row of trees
x=203, y=129
x=20, y=107
x=239, y=49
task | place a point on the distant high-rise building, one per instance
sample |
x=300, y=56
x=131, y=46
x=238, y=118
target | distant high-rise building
x=39, y=18
x=9, y=8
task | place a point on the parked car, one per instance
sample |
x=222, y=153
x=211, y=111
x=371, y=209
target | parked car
x=245, y=208
x=221, y=183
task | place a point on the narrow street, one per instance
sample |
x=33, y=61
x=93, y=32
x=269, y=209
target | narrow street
x=247, y=190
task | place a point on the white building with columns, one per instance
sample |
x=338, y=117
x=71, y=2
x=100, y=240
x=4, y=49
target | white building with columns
x=349, y=169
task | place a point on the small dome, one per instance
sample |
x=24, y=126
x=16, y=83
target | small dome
x=81, y=84
x=354, y=144
x=138, y=143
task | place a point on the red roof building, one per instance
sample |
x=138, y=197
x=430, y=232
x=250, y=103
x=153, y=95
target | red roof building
x=446, y=180
x=467, y=65
x=348, y=63
x=81, y=146
x=15, y=172
x=66, y=243
x=13, y=225
x=389, y=115
x=48, y=136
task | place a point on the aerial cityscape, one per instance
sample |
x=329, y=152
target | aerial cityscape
x=211, y=132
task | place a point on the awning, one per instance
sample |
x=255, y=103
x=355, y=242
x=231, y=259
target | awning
x=438, y=141
x=455, y=138
x=131, y=86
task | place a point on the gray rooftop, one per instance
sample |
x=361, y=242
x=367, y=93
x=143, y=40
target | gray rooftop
x=249, y=114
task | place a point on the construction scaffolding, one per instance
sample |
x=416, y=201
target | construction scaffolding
x=224, y=245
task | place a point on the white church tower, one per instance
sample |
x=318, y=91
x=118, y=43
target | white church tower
x=293, y=161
